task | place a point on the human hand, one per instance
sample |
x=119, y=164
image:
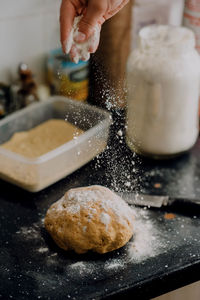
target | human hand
x=95, y=13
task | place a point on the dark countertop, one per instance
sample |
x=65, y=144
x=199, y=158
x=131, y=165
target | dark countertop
x=33, y=267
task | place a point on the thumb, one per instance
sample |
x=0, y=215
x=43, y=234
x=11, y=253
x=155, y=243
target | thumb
x=94, y=15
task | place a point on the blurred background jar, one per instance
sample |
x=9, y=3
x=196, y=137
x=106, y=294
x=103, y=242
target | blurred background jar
x=192, y=19
x=149, y=12
x=163, y=77
x=67, y=78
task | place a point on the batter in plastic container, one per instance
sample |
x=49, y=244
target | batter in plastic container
x=42, y=138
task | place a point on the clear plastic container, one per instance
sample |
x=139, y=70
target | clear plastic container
x=34, y=174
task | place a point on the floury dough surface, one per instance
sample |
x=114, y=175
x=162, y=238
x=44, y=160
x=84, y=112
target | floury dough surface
x=90, y=218
x=42, y=138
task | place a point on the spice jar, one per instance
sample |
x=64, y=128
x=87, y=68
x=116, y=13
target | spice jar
x=163, y=78
x=67, y=78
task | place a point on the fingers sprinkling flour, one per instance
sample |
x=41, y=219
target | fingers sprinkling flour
x=81, y=50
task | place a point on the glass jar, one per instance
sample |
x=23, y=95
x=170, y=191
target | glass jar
x=163, y=78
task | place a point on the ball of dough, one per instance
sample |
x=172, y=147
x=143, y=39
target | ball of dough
x=90, y=218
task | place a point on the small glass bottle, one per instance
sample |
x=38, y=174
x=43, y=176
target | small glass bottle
x=163, y=78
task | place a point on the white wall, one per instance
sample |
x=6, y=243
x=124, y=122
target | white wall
x=28, y=30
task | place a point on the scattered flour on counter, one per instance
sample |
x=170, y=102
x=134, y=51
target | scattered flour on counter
x=29, y=233
x=114, y=264
x=79, y=264
x=33, y=233
x=43, y=249
x=82, y=268
x=145, y=240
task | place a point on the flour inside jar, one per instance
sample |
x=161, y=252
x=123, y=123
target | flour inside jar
x=163, y=92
